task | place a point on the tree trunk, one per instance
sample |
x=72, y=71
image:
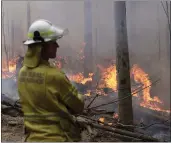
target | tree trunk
x=123, y=67
x=28, y=15
x=88, y=61
x=4, y=42
x=12, y=39
x=170, y=29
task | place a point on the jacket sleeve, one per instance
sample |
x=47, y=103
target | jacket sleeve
x=70, y=96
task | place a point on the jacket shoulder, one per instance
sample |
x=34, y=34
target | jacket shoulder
x=54, y=74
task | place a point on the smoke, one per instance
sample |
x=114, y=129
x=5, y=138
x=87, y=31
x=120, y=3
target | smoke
x=9, y=88
x=148, y=36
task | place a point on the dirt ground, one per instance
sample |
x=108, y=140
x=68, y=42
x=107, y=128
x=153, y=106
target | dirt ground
x=12, y=130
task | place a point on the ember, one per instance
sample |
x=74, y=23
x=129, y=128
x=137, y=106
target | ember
x=101, y=120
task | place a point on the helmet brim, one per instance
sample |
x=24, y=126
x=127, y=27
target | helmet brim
x=28, y=42
x=61, y=33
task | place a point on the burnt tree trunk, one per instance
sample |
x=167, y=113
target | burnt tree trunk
x=28, y=15
x=4, y=41
x=170, y=30
x=12, y=39
x=88, y=61
x=123, y=67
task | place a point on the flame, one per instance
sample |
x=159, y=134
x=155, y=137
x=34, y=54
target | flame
x=79, y=78
x=8, y=72
x=107, y=80
x=59, y=62
x=81, y=54
x=141, y=77
x=108, y=77
x=88, y=93
x=101, y=119
x=11, y=64
x=110, y=124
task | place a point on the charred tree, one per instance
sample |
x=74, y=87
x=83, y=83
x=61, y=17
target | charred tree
x=28, y=15
x=170, y=29
x=12, y=39
x=19, y=64
x=88, y=60
x=4, y=39
x=167, y=12
x=123, y=67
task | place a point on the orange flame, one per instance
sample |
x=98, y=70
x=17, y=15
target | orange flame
x=141, y=77
x=101, y=120
x=79, y=78
x=8, y=72
x=108, y=78
x=88, y=93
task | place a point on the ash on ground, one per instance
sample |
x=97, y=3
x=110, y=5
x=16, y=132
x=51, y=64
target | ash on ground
x=12, y=129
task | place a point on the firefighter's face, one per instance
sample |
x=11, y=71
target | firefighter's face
x=51, y=49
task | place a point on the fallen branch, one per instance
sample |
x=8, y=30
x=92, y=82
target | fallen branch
x=127, y=127
x=92, y=101
x=155, y=124
x=118, y=131
x=124, y=137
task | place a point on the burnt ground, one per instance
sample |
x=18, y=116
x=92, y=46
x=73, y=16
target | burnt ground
x=12, y=130
x=12, y=127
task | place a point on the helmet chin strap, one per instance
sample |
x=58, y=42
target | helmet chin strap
x=37, y=37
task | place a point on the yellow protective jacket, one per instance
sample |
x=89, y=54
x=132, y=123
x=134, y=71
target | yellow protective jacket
x=47, y=98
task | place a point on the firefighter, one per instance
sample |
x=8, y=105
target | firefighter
x=48, y=98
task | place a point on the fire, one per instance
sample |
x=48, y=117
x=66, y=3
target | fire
x=101, y=119
x=81, y=53
x=110, y=124
x=11, y=64
x=59, y=62
x=8, y=72
x=79, y=78
x=88, y=93
x=141, y=77
x=108, y=77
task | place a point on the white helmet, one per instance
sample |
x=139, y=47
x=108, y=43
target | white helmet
x=44, y=31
